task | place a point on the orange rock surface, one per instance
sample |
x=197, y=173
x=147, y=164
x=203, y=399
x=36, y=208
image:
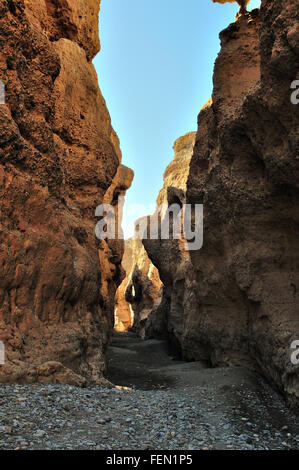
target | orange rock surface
x=59, y=156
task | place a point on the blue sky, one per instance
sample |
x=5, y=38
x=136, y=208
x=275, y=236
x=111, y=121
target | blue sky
x=155, y=72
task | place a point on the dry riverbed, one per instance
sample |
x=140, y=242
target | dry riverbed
x=170, y=405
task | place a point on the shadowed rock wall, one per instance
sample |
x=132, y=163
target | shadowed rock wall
x=235, y=301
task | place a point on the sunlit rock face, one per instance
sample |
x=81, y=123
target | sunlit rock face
x=144, y=290
x=140, y=299
x=141, y=291
x=242, y=6
x=59, y=158
x=168, y=255
x=112, y=251
x=242, y=3
x=123, y=313
x=176, y=174
x=236, y=302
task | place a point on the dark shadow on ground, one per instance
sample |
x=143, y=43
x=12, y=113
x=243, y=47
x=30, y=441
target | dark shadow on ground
x=144, y=365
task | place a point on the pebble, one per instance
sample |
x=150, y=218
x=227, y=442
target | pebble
x=40, y=433
x=192, y=417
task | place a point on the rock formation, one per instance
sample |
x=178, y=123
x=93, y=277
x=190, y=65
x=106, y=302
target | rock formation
x=112, y=252
x=138, y=299
x=59, y=159
x=235, y=301
x=176, y=174
x=242, y=4
x=169, y=255
x=144, y=290
x=123, y=313
x=140, y=292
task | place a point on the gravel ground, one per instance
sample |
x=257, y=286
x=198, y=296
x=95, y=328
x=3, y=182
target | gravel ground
x=189, y=407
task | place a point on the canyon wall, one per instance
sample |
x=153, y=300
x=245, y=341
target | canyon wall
x=235, y=301
x=140, y=298
x=59, y=159
x=123, y=313
x=140, y=292
x=170, y=255
x=144, y=289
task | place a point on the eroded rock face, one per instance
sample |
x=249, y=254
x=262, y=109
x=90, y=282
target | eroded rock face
x=242, y=4
x=59, y=158
x=169, y=255
x=140, y=292
x=144, y=289
x=123, y=312
x=176, y=174
x=235, y=301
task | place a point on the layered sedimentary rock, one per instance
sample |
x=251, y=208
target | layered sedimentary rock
x=235, y=301
x=59, y=158
x=140, y=292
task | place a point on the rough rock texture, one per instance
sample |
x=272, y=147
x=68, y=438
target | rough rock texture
x=123, y=313
x=144, y=289
x=111, y=251
x=176, y=174
x=242, y=3
x=140, y=292
x=169, y=255
x=144, y=292
x=58, y=158
x=235, y=302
